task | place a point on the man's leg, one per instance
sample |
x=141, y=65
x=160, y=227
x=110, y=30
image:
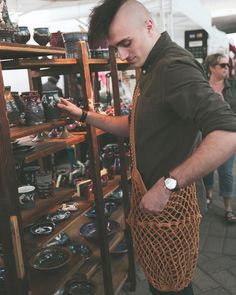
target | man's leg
x=186, y=291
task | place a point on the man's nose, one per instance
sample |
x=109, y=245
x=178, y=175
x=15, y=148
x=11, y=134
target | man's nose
x=123, y=53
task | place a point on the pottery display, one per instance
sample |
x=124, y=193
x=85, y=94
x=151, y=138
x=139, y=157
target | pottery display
x=41, y=36
x=22, y=35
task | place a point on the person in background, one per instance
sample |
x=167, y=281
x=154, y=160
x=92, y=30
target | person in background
x=217, y=66
x=172, y=103
x=51, y=84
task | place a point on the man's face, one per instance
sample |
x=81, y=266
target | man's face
x=131, y=39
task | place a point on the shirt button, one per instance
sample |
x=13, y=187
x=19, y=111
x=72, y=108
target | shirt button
x=144, y=72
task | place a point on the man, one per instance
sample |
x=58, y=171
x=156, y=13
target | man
x=172, y=102
x=51, y=84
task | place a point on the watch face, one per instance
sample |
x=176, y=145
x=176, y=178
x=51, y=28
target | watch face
x=170, y=183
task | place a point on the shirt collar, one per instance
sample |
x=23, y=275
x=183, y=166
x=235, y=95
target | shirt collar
x=157, y=51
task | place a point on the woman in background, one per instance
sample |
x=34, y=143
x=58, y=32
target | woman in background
x=218, y=69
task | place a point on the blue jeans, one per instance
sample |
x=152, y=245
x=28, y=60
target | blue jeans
x=186, y=291
x=225, y=172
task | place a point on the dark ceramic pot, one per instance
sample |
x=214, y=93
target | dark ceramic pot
x=50, y=100
x=70, y=39
x=56, y=39
x=6, y=35
x=41, y=36
x=22, y=35
x=34, y=113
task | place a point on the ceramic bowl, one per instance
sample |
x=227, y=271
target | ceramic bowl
x=41, y=36
x=80, y=286
x=22, y=35
x=89, y=230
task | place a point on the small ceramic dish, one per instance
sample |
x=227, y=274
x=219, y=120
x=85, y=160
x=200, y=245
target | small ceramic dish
x=41, y=229
x=70, y=206
x=109, y=208
x=51, y=258
x=60, y=240
x=58, y=216
x=80, y=249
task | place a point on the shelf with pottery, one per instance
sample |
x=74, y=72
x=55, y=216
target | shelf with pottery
x=61, y=195
x=50, y=145
x=15, y=50
x=21, y=131
x=77, y=264
x=94, y=64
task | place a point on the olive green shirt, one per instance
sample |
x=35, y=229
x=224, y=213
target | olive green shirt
x=176, y=102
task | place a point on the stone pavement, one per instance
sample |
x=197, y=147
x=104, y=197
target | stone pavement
x=216, y=270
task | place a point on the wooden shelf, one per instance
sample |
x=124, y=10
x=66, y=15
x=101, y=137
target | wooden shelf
x=15, y=50
x=30, y=63
x=48, y=147
x=56, y=279
x=18, y=132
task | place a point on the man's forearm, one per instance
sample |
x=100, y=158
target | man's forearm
x=214, y=150
x=117, y=125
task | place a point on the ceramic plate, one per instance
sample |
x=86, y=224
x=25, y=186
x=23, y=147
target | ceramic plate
x=51, y=258
x=89, y=230
x=109, y=208
x=44, y=228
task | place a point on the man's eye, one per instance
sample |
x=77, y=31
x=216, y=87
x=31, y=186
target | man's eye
x=126, y=43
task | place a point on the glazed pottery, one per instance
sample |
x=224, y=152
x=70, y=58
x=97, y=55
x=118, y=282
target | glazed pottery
x=50, y=100
x=22, y=35
x=70, y=40
x=34, y=113
x=41, y=36
x=26, y=196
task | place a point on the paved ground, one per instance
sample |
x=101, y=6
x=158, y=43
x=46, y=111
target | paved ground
x=216, y=271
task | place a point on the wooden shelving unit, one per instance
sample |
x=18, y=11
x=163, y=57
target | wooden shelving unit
x=15, y=235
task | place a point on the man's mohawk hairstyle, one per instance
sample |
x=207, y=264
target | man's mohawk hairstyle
x=101, y=17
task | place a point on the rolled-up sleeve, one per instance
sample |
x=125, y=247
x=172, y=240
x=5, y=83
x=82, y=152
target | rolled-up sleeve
x=189, y=94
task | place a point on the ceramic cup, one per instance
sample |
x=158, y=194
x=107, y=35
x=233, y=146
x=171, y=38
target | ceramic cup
x=26, y=196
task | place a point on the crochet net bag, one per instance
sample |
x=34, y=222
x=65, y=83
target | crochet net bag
x=166, y=244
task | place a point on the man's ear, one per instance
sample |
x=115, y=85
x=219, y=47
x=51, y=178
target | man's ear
x=149, y=24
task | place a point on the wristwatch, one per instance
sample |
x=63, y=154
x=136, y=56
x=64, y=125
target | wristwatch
x=171, y=183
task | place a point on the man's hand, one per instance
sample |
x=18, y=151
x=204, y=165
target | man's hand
x=69, y=108
x=156, y=198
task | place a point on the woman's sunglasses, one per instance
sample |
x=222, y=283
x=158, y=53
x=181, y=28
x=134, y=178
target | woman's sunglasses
x=223, y=65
